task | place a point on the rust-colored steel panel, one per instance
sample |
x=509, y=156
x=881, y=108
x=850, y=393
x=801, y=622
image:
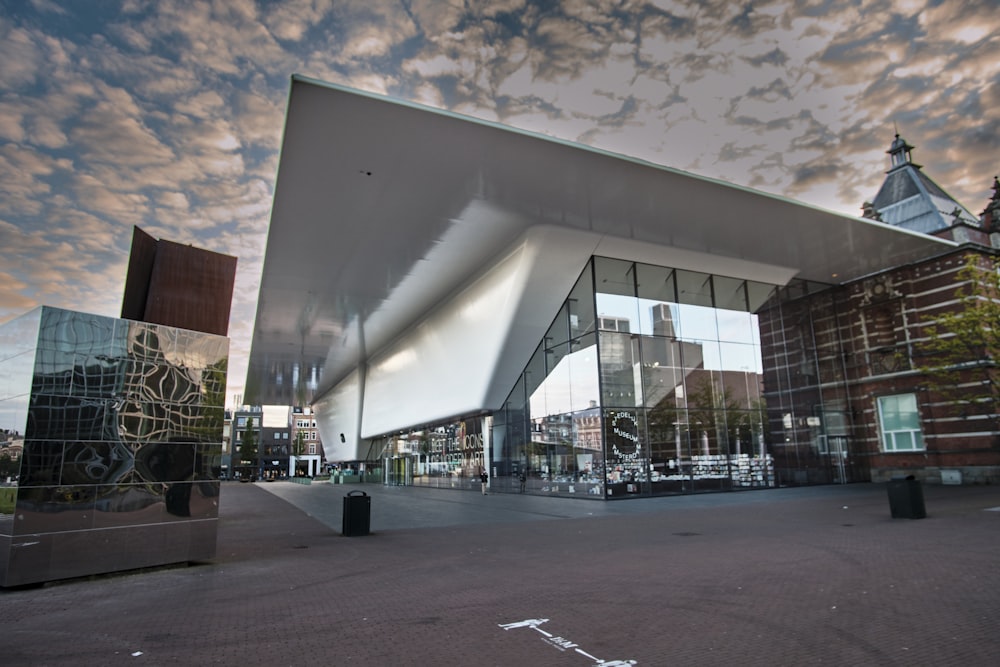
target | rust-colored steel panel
x=140, y=268
x=190, y=288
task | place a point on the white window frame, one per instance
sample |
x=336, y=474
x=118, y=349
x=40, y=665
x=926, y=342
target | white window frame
x=892, y=437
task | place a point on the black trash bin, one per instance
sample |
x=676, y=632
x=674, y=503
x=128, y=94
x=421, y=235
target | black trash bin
x=906, y=498
x=357, y=514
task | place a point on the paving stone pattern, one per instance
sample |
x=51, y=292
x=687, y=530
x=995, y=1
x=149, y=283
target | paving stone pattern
x=813, y=576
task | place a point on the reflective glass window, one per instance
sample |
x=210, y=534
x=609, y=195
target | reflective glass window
x=759, y=294
x=736, y=326
x=679, y=353
x=621, y=381
x=740, y=357
x=900, y=421
x=694, y=288
x=697, y=322
x=617, y=308
x=730, y=293
x=614, y=276
x=627, y=453
x=656, y=283
x=583, y=373
x=580, y=304
x=559, y=330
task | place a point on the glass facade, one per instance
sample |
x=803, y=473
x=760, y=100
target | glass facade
x=808, y=360
x=647, y=382
x=122, y=443
x=444, y=456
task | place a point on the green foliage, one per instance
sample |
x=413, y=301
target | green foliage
x=712, y=410
x=7, y=465
x=8, y=496
x=248, y=448
x=299, y=446
x=961, y=344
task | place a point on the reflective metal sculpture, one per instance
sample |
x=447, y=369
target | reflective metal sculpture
x=121, y=426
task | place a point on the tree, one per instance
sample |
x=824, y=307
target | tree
x=248, y=450
x=299, y=445
x=961, y=344
x=7, y=466
x=709, y=403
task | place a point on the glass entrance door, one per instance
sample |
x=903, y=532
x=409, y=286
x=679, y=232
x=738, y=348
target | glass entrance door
x=838, y=459
x=400, y=471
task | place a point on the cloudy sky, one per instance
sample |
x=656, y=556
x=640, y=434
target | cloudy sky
x=167, y=114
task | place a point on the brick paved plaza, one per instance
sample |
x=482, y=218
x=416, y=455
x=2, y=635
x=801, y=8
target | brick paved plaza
x=817, y=575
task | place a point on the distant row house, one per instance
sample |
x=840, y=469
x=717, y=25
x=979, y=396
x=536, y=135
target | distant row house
x=283, y=442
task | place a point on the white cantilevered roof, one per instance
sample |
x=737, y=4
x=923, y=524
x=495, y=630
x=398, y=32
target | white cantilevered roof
x=384, y=208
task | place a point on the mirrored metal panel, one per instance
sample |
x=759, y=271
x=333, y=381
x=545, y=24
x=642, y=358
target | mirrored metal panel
x=120, y=429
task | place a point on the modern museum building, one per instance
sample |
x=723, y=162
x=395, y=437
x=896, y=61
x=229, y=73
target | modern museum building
x=453, y=296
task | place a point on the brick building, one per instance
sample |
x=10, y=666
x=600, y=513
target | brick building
x=846, y=395
x=306, y=445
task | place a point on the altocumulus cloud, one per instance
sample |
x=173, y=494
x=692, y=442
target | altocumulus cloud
x=167, y=114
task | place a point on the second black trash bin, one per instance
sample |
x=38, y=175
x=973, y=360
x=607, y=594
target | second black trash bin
x=906, y=498
x=357, y=514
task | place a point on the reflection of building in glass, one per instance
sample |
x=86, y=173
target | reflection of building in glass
x=122, y=430
x=122, y=422
x=607, y=328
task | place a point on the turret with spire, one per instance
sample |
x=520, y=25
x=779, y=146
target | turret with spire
x=910, y=199
x=900, y=153
x=990, y=217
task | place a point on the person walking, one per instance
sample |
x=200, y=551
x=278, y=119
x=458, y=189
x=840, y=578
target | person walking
x=521, y=479
x=484, y=478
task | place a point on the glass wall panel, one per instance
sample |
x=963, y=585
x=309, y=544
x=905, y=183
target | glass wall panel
x=694, y=288
x=656, y=283
x=740, y=357
x=736, y=326
x=559, y=331
x=614, y=276
x=583, y=373
x=697, y=322
x=730, y=293
x=553, y=397
x=621, y=379
x=617, y=309
x=662, y=383
x=582, y=313
x=550, y=429
x=669, y=447
x=709, y=352
x=758, y=294
x=658, y=318
x=657, y=291
x=571, y=382
x=618, y=313
x=678, y=360
x=741, y=384
x=534, y=372
x=627, y=453
x=447, y=455
x=805, y=367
